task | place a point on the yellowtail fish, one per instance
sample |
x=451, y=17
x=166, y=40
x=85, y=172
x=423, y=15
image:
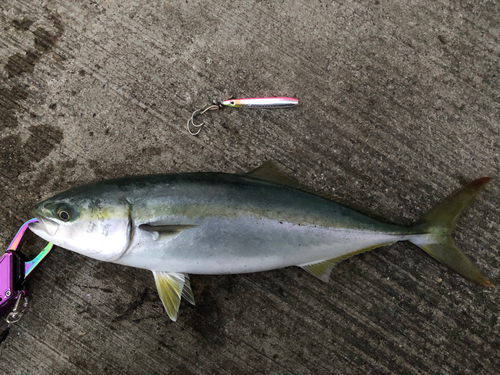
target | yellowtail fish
x=218, y=223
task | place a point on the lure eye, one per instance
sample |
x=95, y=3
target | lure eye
x=63, y=215
x=232, y=102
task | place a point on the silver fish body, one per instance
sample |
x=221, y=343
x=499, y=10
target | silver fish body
x=241, y=225
x=213, y=223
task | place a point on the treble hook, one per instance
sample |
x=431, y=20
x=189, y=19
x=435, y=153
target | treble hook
x=197, y=113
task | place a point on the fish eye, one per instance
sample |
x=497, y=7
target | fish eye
x=63, y=215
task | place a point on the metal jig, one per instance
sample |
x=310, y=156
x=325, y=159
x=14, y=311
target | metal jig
x=13, y=273
x=261, y=103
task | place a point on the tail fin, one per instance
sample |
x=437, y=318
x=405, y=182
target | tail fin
x=439, y=223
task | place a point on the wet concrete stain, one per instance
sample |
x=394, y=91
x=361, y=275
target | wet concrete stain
x=207, y=318
x=61, y=170
x=181, y=369
x=101, y=172
x=106, y=170
x=133, y=306
x=442, y=39
x=22, y=24
x=39, y=150
x=44, y=40
x=18, y=63
x=16, y=155
x=151, y=151
x=48, y=175
x=9, y=105
x=12, y=157
x=53, y=136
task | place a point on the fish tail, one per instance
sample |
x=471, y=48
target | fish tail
x=438, y=224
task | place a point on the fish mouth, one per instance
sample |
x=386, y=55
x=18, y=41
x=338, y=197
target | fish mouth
x=44, y=225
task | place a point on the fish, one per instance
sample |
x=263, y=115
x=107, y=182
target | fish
x=217, y=223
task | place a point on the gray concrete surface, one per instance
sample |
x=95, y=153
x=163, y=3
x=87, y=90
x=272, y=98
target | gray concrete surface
x=399, y=106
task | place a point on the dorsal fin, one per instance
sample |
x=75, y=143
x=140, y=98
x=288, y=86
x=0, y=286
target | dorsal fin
x=269, y=171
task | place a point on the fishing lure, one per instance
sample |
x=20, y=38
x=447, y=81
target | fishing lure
x=260, y=103
x=13, y=272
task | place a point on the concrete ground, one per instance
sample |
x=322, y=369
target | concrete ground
x=400, y=104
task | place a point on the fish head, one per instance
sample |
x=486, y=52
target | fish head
x=97, y=228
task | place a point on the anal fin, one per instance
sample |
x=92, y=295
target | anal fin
x=323, y=269
x=171, y=287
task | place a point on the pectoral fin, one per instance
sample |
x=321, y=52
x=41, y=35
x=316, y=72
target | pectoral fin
x=165, y=230
x=171, y=287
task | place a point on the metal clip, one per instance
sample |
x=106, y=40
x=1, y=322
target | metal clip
x=16, y=314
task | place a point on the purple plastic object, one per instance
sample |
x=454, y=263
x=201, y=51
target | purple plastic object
x=9, y=292
x=14, y=270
